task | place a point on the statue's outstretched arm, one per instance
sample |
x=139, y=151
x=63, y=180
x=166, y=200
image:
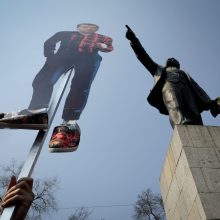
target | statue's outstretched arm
x=140, y=52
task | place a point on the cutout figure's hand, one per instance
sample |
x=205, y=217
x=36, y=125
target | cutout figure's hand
x=19, y=194
x=130, y=35
x=101, y=46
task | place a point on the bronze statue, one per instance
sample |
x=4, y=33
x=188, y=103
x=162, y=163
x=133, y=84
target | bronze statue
x=175, y=93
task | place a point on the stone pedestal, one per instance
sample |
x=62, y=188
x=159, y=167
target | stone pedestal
x=190, y=177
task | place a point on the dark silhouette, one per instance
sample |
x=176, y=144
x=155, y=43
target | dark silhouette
x=175, y=93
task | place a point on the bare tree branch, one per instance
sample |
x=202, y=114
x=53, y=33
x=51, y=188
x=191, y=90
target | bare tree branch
x=81, y=213
x=44, y=190
x=149, y=206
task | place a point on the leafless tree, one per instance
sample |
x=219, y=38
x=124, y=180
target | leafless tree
x=44, y=201
x=6, y=172
x=149, y=206
x=81, y=213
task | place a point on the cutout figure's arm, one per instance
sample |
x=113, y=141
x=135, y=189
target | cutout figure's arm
x=106, y=45
x=140, y=52
x=50, y=44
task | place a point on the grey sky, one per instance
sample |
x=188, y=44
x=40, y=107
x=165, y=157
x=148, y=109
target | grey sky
x=124, y=139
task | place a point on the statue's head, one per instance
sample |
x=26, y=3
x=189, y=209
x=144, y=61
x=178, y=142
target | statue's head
x=172, y=62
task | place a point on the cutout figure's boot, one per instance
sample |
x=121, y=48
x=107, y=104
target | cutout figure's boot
x=65, y=138
x=25, y=119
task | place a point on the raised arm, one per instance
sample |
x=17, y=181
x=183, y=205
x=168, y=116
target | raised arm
x=50, y=44
x=140, y=52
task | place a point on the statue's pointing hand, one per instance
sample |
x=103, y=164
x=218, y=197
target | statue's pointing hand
x=130, y=35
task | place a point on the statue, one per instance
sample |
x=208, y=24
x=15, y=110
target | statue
x=175, y=93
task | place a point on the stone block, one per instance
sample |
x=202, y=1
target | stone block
x=200, y=182
x=167, y=174
x=190, y=178
x=215, y=134
x=197, y=212
x=172, y=197
x=211, y=205
x=212, y=179
x=182, y=170
x=202, y=157
x=189, y=191
x=164, y=188
x=171, y=160
x=194, y=213
x=180, y=211
x=168, y=215
x=176, y=145
x=200, y=208
x=181, y=133
x=200, y=136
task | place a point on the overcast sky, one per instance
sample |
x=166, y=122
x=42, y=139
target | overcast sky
x=124, y=139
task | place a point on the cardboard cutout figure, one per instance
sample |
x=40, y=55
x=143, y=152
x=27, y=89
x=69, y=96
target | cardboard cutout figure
x=175, y=93
x=78, y=49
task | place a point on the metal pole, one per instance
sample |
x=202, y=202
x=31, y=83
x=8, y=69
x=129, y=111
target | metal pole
x=35, y=150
